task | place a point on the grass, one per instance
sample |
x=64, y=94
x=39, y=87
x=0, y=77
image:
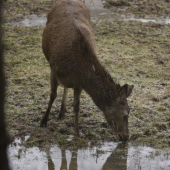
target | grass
x=18, y=9
x=138, y=53
x=133, y=52
x=27, y=73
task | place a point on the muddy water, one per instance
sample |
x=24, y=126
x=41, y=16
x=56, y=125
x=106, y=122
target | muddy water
x=98, y=12
x=109, y=156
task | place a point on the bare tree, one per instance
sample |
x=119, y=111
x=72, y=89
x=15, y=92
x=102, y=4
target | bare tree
x=3, y=134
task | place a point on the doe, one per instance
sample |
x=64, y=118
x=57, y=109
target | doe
x=69, y=46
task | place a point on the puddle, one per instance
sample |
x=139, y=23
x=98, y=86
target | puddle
x=32, y=20
x=156, y=20
x=98, y=12
x=108, y=156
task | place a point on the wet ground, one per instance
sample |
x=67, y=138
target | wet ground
x=41, y=20
x=98, y=13
x=108, y=156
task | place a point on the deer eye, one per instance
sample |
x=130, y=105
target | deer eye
x=122, y=102
x=125, y=117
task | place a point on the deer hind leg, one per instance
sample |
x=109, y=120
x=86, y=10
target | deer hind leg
x=63, y=104
x=73, y=162
x=53, y=95
x=76, y=105
x=64, y=160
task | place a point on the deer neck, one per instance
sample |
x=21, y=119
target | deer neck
x=100, y=87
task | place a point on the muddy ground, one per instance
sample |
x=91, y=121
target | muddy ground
x=133, y=52
x=141, y=8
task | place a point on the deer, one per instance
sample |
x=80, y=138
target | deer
x=68, y=44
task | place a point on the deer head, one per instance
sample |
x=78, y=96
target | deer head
x=118, y=113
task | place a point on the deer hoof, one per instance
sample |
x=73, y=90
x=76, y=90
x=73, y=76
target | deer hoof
x=43, y=124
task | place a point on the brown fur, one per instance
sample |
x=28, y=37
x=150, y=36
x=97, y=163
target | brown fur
x=69, y=46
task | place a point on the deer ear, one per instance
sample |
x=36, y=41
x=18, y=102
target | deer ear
x=125, y=91
x=129, y=90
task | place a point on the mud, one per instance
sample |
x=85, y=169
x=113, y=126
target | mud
x=98, y=13
x=133, y=52
x=41, y=20
x=141, y=8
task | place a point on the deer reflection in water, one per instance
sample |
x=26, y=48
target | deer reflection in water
x=51, y=165
x=117, y=160
x=73, y=163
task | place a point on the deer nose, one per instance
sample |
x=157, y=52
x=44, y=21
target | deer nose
x=123, y=137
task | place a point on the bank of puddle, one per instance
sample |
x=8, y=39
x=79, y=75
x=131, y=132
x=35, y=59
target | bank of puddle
x=107, y=156
x=98, y=13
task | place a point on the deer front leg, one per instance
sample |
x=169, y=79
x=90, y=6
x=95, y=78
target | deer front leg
x=53, y=95
x=76, y=104
x=63, y=104
x=63, y=160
